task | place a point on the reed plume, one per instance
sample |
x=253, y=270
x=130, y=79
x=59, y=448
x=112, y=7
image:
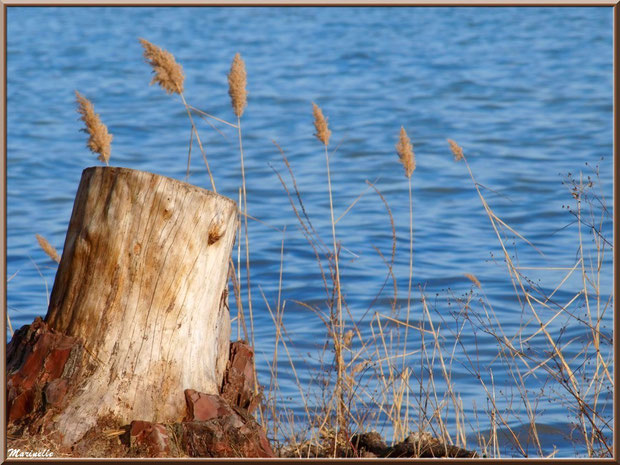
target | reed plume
x=323, y=133
x=320, y=124
x=473, y=279
x=404, y=148
x=168, y=73
x=99, y=140
x=456, y=150
x=237, y=80
x=348, y=337
x=48, y=248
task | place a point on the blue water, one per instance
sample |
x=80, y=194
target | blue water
x=526, y=91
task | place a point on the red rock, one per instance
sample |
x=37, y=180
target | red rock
x=21, y=344
x=32, y=368
x=20, y=405
x=202, y=407
x=150, y=437
x=234, y=435
x=36, y=356
x=214, y=428
x=56, y=359
x=238, y=386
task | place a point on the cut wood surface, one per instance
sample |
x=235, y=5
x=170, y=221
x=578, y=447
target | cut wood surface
x=143, y=284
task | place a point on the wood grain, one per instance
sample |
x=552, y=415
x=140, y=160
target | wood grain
x=143, y=281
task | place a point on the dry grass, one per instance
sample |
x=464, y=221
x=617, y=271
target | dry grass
x=473, y=279
x=168, y=73
x=48, y=248
x=237, y=81
x=457, y=151
x=404, y=149
x=579, y=385
x=99, y=139
x=336, y=318
x=320, y=124
x=381, y=385
x=378, y=388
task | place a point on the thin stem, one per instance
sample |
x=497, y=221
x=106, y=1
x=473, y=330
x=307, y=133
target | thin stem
x=247, y=246
x=189, y=152
x=240, y=312
x=8, y=320
x=339, y=337
x=211, y=116
x=410, y=274
x=202, y=150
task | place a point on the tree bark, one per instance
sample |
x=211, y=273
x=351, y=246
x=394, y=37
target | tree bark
x=143, y=284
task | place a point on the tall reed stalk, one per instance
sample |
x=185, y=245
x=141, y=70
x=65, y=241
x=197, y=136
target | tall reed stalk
x=323, y=134
x=169, y=75
x=404, y=149
x=237, y=82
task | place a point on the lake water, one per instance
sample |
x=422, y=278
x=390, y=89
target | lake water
x=526, y=91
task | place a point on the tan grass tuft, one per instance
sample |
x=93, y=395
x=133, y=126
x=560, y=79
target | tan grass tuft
x=404, y=148
x=237, y=81
x=348, y=337
x=99, y=140
x=48, y=248
x=456, y=150
x=320, y=123
x=168, y=73
x=473, y=279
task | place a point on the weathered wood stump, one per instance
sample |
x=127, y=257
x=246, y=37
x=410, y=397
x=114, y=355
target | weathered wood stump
x=142, y=284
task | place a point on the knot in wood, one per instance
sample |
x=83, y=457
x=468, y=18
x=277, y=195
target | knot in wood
x=217, y=228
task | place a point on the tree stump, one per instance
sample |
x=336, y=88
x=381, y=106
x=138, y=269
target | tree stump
x=142, y=283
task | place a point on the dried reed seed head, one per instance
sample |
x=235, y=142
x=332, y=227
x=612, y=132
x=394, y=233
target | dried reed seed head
x=99, y=140
x=404, y=149
x=456, y=150
x=348, y=337
x=320, y=124
x=48, y=248
x=168, y=73
x=237, y=81
x=358, y=367
x=473, y=279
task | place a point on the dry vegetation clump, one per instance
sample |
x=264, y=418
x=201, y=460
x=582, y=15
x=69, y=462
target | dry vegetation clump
x=404, y=148
x=45, y=446
x=48, y=248
x=456, y=150
x=320, y=124
x=168, y=73
x=237, y=81
x=473, y=279
x=99, y=139
x=382, y=377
